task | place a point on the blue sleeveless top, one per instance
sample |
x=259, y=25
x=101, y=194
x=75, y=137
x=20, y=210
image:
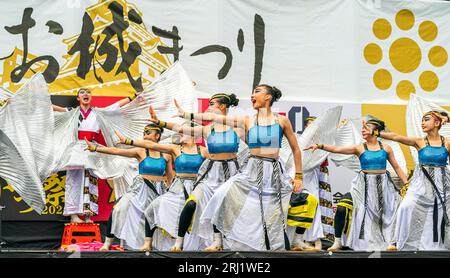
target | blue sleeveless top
x=435, y=156
x=265, y=136
x=152, y=166
x=373, y=160
x=223, y=141
x=188, y=163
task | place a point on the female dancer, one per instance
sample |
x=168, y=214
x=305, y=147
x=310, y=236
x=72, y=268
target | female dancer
x=375, y=199
x=261, y=188
x=223, y=144
x=155, y=171
x=422, y=221
x=164, y=212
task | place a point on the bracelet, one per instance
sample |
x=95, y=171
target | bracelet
x=188, y=116
x=376, y=133
x=320, y=146
x=132, y=97
x=161, y=123
x=92, y=148
x=128, y=141
x=2, y=102
x=299, y=176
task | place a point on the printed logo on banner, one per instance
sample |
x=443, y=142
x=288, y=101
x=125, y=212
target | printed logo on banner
x=405, y=54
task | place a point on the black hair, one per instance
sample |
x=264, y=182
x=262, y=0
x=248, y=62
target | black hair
x=379, y=124
x=228, y=99
x=273, y=91
x=156, y=128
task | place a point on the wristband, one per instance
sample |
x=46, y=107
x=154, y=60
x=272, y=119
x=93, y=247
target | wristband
x=320, y=146
x=299, y=176
x=128, y=141
x=92, y=148
x=376, y=133
x=161, y=123
x=132, y=97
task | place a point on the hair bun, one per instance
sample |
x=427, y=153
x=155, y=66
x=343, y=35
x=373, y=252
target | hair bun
x=276, y=93
x=234, y=101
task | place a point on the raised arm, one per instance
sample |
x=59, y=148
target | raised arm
x=196, y=130
x=164, y=148
x=335, y=149
x=59, y=108
x=134, y=152
x=409, y=141
x=233, y=121
x=293, y=143
x=395, y=165
x=127, y=100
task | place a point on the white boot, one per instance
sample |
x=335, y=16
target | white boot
x=299, y=244
x=337, y=245
x=147, y=244
x=178, y=247
x=217, y=245
x=74, y=218
x=107, y=244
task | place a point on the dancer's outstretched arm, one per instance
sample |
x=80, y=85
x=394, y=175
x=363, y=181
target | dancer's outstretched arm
x=133, y=152
x=405, y=140
x=233, y=121
x=354, y=149
x=164, y=148
x=193, y=131
x=293, y=143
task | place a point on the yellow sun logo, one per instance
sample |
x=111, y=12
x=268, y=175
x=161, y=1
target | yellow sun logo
x=405, y=54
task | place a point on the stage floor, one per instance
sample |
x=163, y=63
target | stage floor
x=21, y=253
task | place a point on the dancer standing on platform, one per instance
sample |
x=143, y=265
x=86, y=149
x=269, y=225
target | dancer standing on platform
x=127, y=220
x=223, y=145
x=422, y=220
x=250, y=209
x=373, y=195
x=164, y=212
x=81, y=193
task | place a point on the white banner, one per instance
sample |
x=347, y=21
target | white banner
x=357, y=51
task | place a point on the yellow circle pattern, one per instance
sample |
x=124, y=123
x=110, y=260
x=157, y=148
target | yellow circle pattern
x=373, y=53
x=405, y=55
x=428, y=81
x=382, y=29
x=404, y=89
x=404, y=19
x=382, y=79
x=428, y=31
x=437, y=56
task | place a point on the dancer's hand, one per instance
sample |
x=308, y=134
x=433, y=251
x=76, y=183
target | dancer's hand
x=90, y=147
x=121, y=137
x=180, y=112
x=444, y=119
x=298, y=184
x=153, y=118
x=313, y=148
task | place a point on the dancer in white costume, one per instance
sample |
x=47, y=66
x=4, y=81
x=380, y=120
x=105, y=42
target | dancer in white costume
x=250, y=209
x=81, y=193
x=164, y=212
x=374, y=195
x=127, y=220
x=422, y=220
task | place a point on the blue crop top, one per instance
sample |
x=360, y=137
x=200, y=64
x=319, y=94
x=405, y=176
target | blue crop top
x=153, y=166
x=268, y=136
x=436, y=156
x=188, y=163
x=223, y=141
x=373, y=160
